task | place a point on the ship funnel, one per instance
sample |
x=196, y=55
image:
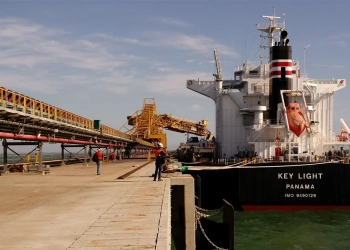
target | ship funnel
x=284, y=34
x=281, y=73
x=283, y=38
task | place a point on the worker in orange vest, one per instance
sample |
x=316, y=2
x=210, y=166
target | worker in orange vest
x=99, y=159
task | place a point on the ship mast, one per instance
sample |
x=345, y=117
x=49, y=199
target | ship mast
x=267, y=31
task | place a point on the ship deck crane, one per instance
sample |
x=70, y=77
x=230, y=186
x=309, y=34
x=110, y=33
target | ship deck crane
x=344, y=132
x=218, y=75
x=149, y=125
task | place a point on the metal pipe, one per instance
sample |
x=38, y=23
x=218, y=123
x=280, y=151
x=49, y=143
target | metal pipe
x=6, y=135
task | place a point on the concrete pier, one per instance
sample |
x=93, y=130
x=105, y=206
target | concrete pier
x=73, y=208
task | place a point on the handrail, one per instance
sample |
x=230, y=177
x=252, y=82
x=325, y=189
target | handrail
x=30, y=106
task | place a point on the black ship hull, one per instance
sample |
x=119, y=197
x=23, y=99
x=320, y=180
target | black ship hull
x=282, y=186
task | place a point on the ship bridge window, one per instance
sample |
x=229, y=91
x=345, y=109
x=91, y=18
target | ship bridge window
x=253, y=72
x=294, y=72
x=238, y=75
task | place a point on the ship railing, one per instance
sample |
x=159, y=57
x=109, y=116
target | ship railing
x=255, y=75
x=338, y=138
x=14, y=101
x=252, y=75
x=322, y=96
x=321, y=81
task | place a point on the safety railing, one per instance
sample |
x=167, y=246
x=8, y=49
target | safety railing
x=30, y=106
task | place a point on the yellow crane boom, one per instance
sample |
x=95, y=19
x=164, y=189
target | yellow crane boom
x=149, y=125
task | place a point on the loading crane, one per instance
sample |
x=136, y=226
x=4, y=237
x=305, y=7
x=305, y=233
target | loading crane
x=149, y=125
x=218, y=75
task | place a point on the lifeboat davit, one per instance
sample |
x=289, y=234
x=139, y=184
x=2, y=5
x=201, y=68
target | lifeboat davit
x=296, y=119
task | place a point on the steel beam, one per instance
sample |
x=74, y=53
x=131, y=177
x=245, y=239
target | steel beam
x=4, y=144
x=40, y=146
x=22, y=143
x=85, y=156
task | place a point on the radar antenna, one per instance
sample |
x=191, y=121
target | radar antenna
x=268, y=31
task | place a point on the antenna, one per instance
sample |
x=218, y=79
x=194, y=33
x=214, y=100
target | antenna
x=245, y=48
x=305, y=59
x=268, y=31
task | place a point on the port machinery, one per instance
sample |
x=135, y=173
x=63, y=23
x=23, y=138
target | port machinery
x=23, y=118
x=149, y=126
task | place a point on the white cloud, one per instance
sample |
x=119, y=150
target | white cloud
x=195, y=107
x=200, y=44
x=36, y=82
x=334, y=66
x=340, y=39
x=120, y=39
x=171, y=21
x=190, y=60
x=28, y=45
x=166, y=69
x=48, y=60
x=174, y=83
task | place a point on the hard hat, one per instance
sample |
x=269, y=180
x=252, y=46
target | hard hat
x=99, y=149
x=160, y=145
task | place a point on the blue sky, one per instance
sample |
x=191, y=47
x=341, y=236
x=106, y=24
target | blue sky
x=100, y=59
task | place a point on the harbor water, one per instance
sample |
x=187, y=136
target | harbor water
x=285, y=230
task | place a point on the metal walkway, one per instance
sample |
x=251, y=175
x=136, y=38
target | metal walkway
x=25, y=118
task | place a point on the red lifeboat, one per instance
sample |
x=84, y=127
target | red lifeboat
x=296, y=119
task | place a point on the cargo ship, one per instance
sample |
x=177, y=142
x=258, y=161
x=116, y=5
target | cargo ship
x=274, y=126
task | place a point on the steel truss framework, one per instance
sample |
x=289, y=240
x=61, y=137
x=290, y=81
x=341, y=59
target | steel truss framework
x=148, y=125
x=26, y=119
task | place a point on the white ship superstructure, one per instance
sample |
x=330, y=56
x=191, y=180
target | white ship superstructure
x=247, y=125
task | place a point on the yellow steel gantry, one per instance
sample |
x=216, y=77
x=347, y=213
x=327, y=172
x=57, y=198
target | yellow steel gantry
x=148, y=125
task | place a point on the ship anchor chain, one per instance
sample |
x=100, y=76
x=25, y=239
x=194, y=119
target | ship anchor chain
x=200, y=215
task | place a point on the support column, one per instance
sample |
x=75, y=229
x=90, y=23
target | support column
x=4, y=144
x=40, y=145
x=107, y=154
x=62, y=155
x=85, y=156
